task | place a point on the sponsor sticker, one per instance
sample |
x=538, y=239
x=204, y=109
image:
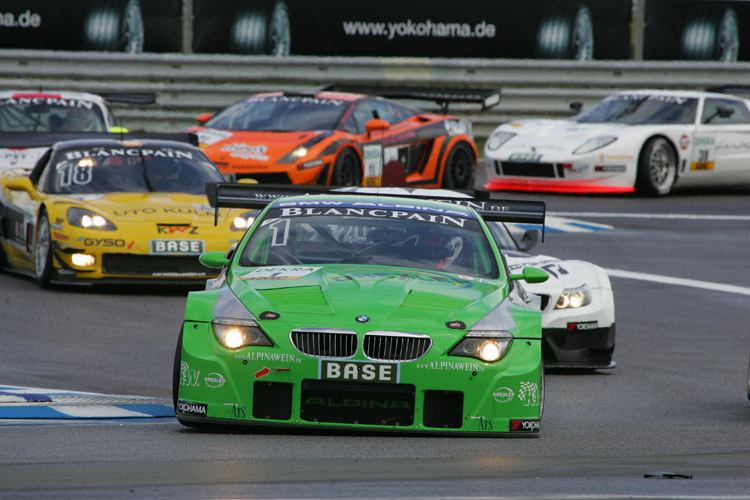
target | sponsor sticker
x=358, y=371
x=162, y=247
x=247, y=151
x=190, y=408
x=503, y=394
x=684, y=141
x=529, y=394
x=524, y=425
x=525, y=157
x=214, y=380
x=212, y=136
x=702, y=165
x=582, y=325
x=279, y=273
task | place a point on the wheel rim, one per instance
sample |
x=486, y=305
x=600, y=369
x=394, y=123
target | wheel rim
x=460, y=167
x=583, y=37
x=280, y=36
x=728, y=43
x=42, y=247
x=661, y=165
x=133, y=31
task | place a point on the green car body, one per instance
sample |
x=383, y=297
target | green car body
x=330, y=338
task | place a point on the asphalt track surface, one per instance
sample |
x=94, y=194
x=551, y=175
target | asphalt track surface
x=675, y=407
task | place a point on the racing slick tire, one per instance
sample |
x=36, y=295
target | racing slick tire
x=261, y=27
x=566, y=31
x=115, y=26
x=43, y=251
x=347, y=171
x=460, y=167
x=177, y=370
x=711, y=33
x=657, y=167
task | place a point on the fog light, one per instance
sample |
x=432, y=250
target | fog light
x=83, y=259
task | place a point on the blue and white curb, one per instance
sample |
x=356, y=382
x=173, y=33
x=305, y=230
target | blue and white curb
x=19, y=403
x=556, y=224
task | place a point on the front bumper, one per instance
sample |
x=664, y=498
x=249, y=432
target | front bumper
x=587, y=349
x=281, y=387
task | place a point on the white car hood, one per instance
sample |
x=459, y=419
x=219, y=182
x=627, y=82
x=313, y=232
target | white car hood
x=556, y=136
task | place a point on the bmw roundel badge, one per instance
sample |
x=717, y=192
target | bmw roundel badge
x=362, y=318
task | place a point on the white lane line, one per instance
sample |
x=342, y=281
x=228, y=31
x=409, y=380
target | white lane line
x=668, y=280
x=652, y=216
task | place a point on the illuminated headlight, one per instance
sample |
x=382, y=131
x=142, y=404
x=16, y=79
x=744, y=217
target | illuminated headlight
x=87, y=219
x=572, y=298
x=244, y=221
x=594, y=143
x=498, y=138
x=83, y=259
x=236, y=333
x=299, y=152
x=488, y=346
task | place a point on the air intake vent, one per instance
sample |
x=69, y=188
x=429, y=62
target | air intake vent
x=325, y=343
x=396, y=346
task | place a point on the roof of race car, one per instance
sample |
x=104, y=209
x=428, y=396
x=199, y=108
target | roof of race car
x=675, y=93
x=52, y=94
x=125, y=142
x=338, y=96
x=374, y=201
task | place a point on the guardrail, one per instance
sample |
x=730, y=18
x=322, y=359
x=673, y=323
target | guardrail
x=186, y=85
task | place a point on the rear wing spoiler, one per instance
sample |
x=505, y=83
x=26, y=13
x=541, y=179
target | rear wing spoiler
x=138, y=99
x=40, y=139
x=258, y=196
x=487, y=98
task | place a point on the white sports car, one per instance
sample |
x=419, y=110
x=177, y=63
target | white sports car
x=578, y=305
x=649, y=141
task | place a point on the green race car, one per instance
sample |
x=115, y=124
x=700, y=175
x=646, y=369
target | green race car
x=364, y=312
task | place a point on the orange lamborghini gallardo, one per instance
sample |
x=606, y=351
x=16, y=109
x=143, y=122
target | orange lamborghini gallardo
x=338, y=139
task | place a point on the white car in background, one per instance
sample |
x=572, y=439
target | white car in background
x=648, y=141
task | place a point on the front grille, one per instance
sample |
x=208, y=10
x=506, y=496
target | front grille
x=154, y=265
x=396, y=346
x=517, y=169
x=325, y=343
x=357, y=403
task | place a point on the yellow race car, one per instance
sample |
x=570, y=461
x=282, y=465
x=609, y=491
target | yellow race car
x=109, y=210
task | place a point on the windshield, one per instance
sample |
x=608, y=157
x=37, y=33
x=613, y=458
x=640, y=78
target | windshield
x=280, y=114
x=356, y=233
x=50, y=114
x=131, y=169
x=641, y=109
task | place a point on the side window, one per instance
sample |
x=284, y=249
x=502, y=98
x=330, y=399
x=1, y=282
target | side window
x=724, y=111
x=400, y=113
x=363, y=112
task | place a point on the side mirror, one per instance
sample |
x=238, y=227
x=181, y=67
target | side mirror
x=203, y=118
x=531, y=275
x=724, y=112
x=214, y=260
x=530, y=239
x=23, y=184
x=376, y=125
x=576, y=106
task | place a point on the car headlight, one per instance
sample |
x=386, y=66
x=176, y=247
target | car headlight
x=80, y=217
x=498, y=138
x=594, y=143
x=244, y=221
x=235, y=333
x=572, y=298
x=487, y=346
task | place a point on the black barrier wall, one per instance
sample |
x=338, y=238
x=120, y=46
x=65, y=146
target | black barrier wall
x=541, y=29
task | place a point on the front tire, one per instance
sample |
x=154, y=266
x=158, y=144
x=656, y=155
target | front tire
x=657, y=167
x=347, y=171
x=711, y=34
x=114, y=25
x=261, y=27
x=566, y=31
x=460, y=167
x=43, y=251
